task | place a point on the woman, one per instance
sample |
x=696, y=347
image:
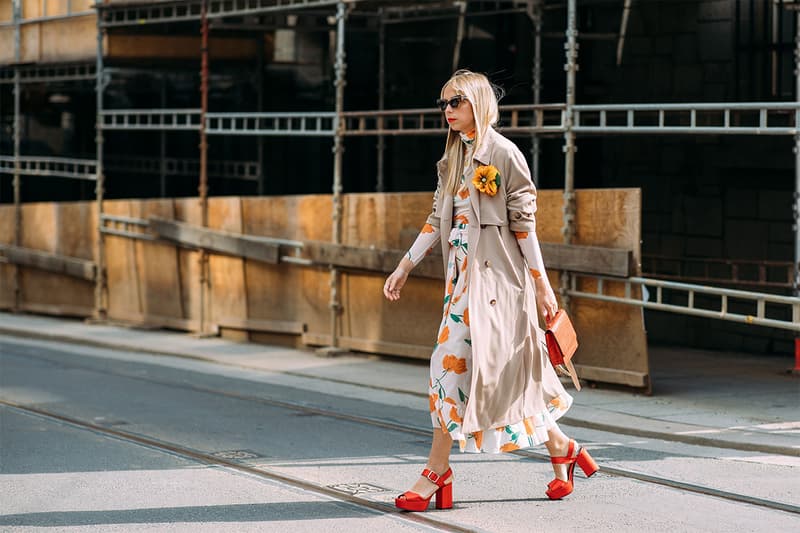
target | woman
x=492, y=387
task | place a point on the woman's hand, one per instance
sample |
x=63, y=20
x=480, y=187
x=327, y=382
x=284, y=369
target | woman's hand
x=546, y=299
x=395, y=282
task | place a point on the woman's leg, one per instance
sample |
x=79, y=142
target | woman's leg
x=438, y=461
x=557, y=446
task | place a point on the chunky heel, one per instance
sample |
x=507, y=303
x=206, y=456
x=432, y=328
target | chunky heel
x=444, y=497
x=558, y=488
x=411, y=501
x=586, y=463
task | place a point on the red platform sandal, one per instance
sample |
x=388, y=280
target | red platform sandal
x=411, y=501
x=558, y=488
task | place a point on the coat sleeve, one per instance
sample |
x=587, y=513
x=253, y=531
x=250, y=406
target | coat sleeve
x=434, y=219
x=520, y=194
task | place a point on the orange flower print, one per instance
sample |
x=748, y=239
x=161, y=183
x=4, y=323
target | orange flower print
x=443, y=336
x=509, y=447
x=427, y=228
x=457, y=365
x=466, y=317
x=463, y=193
x=528, y=426
x=432, y=402
x=454, y=415
x=450, y=401
x=464, y=266
x=478, y=439
x=535, y=273
x=555, y=402
x=521, y=235
x=461, y=219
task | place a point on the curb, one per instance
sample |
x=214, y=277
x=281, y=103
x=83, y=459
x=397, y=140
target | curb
x=567, y=420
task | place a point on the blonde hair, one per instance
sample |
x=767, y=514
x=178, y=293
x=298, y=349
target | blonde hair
x=483, y=96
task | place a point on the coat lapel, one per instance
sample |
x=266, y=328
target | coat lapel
x=480, y=157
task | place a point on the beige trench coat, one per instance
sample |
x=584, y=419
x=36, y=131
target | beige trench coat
x=512, y=378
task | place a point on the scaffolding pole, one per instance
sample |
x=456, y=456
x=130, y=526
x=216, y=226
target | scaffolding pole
x=338, y=152
x=381, y=181
x=17, y=183
x=796, y=203
x=203, y=187
x=162, y=144
x=260, y=103
x=568, y=230
x=462, y=11
x=101, y=287
x=536, y=13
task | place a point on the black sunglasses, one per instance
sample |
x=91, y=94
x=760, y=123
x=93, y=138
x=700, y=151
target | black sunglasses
x=453, y=102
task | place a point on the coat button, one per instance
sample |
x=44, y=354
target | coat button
x=487, y=263
x=492, y=301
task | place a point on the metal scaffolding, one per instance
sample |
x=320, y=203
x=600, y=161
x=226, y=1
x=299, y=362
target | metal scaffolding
x=569, y=120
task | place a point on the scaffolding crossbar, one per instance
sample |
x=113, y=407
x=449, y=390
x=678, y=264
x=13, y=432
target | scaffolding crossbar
x=82, y=169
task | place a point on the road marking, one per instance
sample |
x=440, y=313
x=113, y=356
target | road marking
x=780, y=460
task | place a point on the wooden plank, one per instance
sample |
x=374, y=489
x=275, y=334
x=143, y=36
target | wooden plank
x=160, y=47
x=588, y=259
x=284, y=291
x=157, y=265
x=575, y=258
x=223, y=242
x=80, y=311
x=58, y=264
x=227, y=290
x=151, y=320
x=613, y=375
x=371, y=346
x=124, y=294
x=6, y=271
x=290, y=327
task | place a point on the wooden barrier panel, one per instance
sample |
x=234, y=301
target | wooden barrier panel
x=64, y=229
x=613, y=342
x=6, y=270
x=159, y=283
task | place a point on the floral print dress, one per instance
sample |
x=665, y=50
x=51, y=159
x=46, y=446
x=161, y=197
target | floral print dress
x=451, y=361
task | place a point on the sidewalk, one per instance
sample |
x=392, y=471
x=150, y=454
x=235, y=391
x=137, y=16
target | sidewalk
x=734, y=401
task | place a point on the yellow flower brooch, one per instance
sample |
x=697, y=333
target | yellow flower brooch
x=486, y=179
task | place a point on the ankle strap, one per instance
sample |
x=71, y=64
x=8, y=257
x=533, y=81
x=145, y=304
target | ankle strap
x=567, y=459
x=433, y=477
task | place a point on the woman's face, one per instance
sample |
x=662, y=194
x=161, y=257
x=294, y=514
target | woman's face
x=461, y=118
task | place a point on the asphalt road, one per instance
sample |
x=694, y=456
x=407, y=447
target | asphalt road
x=102, y=440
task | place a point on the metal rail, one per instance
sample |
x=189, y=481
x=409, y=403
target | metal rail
x=688, y=293
x=82, y=169
x=122, y=226
x=189, y=10
x=756, y=118
x=522, y=119
x=151, y=119
x=751, y=118
x=50, y=73
x=228, y=169
x=779, y=274
x=36, y=20
x=294, y=124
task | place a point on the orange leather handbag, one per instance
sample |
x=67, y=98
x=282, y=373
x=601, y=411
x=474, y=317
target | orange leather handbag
x=562, y=341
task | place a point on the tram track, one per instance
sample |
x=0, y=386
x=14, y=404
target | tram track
x=258, y=471
x=357, y=419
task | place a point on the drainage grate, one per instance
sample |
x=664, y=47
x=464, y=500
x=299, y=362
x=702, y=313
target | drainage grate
x=237, y=455
x=357, y=488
